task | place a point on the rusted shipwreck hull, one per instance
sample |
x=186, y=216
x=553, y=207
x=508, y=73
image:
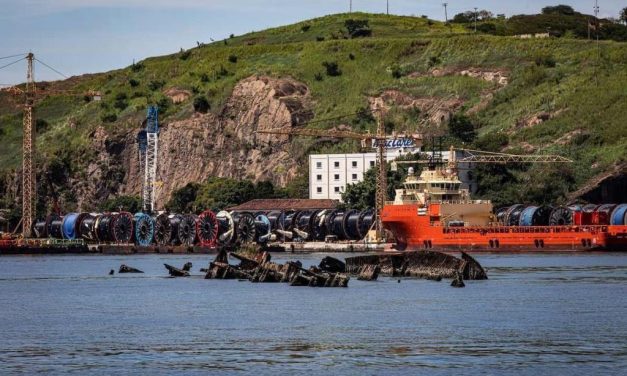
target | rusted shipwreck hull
x=260, y=269
x=422, y=264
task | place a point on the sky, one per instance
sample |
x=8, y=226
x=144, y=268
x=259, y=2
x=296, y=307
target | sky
x=88, y=36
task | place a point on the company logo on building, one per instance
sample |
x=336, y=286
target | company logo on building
x=395, y=143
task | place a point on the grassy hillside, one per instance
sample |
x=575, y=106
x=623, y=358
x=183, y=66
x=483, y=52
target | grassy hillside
x=581, y=88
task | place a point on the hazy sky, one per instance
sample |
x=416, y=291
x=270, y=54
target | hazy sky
x=82, y=36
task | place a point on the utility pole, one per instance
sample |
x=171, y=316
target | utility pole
x=597, y=26
x=350, y=6
x=445, y=12
x=475, y=19
x=382, y=188
x=387, y=7
x=28, y=150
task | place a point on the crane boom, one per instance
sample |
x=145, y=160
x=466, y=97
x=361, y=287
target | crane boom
x=476, y=156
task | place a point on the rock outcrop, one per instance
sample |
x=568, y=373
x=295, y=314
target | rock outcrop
x=204, y=145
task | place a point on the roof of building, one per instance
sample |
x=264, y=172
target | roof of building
x=286, y=204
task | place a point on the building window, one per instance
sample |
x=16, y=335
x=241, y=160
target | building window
x=319, y=177
x=319, y=190
x=337, y=189
x=336, y=176
x=318, y=164
x=336, y=164
x=354, y=164
x=354, y=176
x=371, y=163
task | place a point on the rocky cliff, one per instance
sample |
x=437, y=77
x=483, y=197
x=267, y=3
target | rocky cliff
x=204, y=145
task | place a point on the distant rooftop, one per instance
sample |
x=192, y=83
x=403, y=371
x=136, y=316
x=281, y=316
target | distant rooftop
x=286, y=204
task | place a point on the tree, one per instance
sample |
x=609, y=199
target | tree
x=559, y=9
x=466, y=17
x=132, y=204
x=362, y=195
x=461, y=127
x=182, y=199
x=623, y=16
x=358, y=28
x=484, y=15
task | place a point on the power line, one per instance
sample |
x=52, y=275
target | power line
x=15, y=62
x=51, y=68
x=8, y=57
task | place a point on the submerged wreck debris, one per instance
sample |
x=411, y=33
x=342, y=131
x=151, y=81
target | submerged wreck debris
x=176, y=272
x=369, y=273
x=187, y=267
x=258, y=268
x=420, y=264
x=332, y=265
x=128, y=269
x=458, y=281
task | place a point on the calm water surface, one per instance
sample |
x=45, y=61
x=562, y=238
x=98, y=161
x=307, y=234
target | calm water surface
x=537, y=314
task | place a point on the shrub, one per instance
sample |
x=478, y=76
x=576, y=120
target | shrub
x=351, y=56
x=358, y=28
x=223, y=72
x=109, y=118
x=545, y=60
x=41, y=125
x=137, y=67
x=318, y=76
x=232, y=36
x=461, y=127
x=155, y=85
x=121, y=96
x=319, y=38
x=232, y=58
x=305, y=28
x=396, y=71
x=204, y=77
x=185, y=55
x=120, y=104
x=133, y=82
x=333, y=69
x=201, y=104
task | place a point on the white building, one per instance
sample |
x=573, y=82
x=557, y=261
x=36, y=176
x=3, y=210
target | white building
x=329, y=174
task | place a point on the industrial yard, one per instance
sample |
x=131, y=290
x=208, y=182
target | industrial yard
x=280, y=188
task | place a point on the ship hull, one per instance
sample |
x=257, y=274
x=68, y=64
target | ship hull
x=410, y=230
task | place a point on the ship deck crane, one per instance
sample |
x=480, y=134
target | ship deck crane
x=366, y=138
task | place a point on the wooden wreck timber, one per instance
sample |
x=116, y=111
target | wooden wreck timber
x=420, y=264
x=369, y=273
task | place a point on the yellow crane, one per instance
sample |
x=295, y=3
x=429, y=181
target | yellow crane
x=366, y=138
x=30, y=93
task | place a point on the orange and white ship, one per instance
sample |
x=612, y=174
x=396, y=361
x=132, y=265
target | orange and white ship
x=434, y=211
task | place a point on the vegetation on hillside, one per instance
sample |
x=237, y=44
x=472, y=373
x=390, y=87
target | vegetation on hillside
x=558, y=20
x=577, y=87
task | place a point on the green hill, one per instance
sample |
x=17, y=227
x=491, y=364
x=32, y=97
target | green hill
x=558, y=95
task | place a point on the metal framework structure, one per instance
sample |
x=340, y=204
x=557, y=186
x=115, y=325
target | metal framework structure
x=476, y=156
x=28, y=151
x=150, y=163
x=382, y=178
